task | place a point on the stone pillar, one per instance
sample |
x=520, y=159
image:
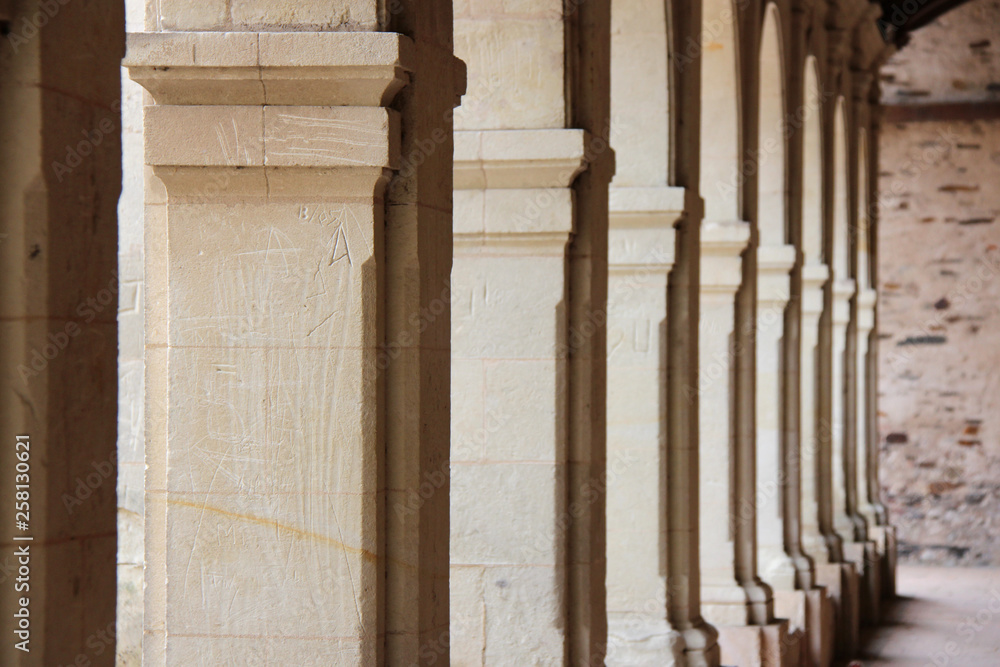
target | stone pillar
x=514, y=218
x=725, y=601
x=60, y=162
x=814, y=278
x=843, y=289
x=296, y=334
x=641, y=254
x=644, y=214
x=529, y=292
x=733, y=599
x=776, y=565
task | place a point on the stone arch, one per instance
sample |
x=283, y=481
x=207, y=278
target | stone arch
x=775, y=259
x=640, y=92
x=839, y=255
x=722, y=171
x=771, y=176
x=812, y=166
x=864, y=272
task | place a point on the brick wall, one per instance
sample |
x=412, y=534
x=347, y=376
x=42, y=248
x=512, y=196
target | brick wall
x=939, y=289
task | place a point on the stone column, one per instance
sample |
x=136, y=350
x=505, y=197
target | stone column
x=733, y=598
x=773, y=266
x=724, y=599
x=641, y=254
x=841, y=438
x=529, y=292
x=510, y=516
x=814, y=278
x=645, y=214
x=869, y=503
x=296, y=334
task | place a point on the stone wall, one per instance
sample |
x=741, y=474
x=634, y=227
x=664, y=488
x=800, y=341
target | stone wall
x=939, y=283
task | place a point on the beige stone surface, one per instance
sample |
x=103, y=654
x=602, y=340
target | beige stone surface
x=944, y=616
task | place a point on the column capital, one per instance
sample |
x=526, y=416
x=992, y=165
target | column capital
x=284, y=68
x=512, y=189
x=843, y=291
x=866, y=300
x=722, y=246
x=774, y=264
x=814, y=279
x=641, y=234
x=486, y=159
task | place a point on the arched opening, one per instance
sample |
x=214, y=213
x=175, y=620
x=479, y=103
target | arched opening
x=643, y=212
x=775, y=258
x=814, y=275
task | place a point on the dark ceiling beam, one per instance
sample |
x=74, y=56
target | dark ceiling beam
x=945, y=111
x=901, y=17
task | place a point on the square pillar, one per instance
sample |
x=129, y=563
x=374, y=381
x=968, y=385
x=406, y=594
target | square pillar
x=812, y=430
x=641, y=254
x=734, y=599
x=296, y=385
x=776, y=566
x=511, y=511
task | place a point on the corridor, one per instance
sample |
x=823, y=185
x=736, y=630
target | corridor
x=944, y=617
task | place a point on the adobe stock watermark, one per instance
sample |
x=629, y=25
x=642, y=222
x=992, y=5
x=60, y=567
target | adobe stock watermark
x=33, y=23
x=88, y=484
x=75, y=153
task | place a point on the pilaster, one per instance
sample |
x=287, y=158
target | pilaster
x=843, y=290
x=867, y=495
x=510, y=340
x=640, y=257
x=814, y=279
x=729, y=598
x=281, y=523
x=774, y=264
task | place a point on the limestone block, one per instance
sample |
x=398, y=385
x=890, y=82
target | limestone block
x=516, y=73
x=204, y=135
x=294, y=137
x=192, y=14
x=358, y=15
x=841, y=582
x=321, y=68
x=822, y=623
x=467, y=627
x=864, y=556
x=523, y=617
x=758, y=645
x=637, y=639
x=511, y=524
x=487, y=293
x=518, y=158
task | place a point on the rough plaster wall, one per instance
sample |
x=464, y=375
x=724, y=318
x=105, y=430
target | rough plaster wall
x=131, y=466
x=953, y=59
x=939, y=290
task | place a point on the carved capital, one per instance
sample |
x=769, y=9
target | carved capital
x=722, y=246
x=641, y=234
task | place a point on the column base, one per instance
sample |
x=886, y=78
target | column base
x=701, y=645
x=867, y=562
x=635, y=640
x=759, y=645
x=811, y=622
x=885, y=542
x=842, y=582
x=737, y=605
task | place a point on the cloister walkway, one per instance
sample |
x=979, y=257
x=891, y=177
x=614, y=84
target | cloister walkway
x=944, y=617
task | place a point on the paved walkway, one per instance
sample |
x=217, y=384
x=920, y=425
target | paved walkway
x=944, y=617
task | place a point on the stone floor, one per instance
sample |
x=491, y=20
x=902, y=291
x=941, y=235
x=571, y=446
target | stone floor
x=944, y=617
